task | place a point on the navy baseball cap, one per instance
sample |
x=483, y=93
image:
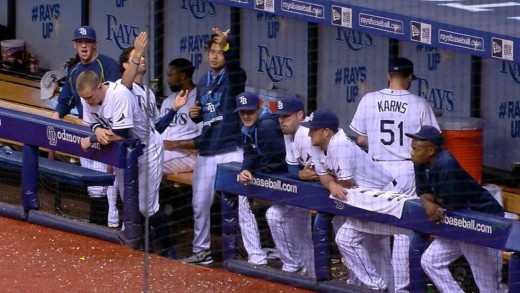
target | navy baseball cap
x=428, y=133
x=247, y=101
x=322, y=118
x=84, y=33
x=288, y=105
x=402, y=65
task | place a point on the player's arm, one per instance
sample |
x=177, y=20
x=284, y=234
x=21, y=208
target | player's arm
x=425, y=193
x=272, y=146
x=180, y=100
x=433, y=211
x=118, y=134
x=362, y=141
x=336, y=187
x=65, y=101
x=134, y=60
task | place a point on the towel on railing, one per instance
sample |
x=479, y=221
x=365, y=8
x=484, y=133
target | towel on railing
x=376, y=200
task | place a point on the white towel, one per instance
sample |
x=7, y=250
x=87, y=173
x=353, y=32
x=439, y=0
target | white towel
x=375, y=200
x=49, y=82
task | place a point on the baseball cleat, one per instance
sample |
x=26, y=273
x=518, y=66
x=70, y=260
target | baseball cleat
x=201, y=258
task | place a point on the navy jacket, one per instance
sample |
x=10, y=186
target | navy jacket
x=264, y=146
x=453, y=187
x=105, y=67
x=216, y=95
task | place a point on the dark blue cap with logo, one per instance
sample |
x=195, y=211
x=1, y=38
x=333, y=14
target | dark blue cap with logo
x=322, y=118
x=247, y=101
x=84, y=33
x=402, y=65
x=288, y=105
x=428, y=133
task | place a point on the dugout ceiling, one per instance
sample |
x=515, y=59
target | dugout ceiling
x=478, y=27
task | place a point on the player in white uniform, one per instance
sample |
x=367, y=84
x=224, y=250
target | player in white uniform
x=115, y=113
x=381, y=120
x=341, y=164
x=291, y=226
x=179, y=148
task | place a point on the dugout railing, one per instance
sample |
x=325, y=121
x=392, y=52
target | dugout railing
x=35, y=132
x=504, y=234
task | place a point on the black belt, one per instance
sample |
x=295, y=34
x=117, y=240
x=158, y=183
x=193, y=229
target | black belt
x=393, y=160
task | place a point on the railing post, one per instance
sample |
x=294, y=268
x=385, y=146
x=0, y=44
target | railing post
x=30, y=179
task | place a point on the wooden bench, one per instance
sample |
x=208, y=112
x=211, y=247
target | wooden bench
x=185, y=178
x=22, y=90
x=511, y=200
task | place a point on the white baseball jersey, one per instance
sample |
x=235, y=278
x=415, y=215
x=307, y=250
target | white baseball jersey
x=181, y=126
x=345, y=160
x=298, y=148
x=385, y=116
x=122, y=110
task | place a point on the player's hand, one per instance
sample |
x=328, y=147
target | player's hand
x=85, y=143
x=140, y=44
x=180, y=100
x=245, y=177
x=308, y=173
x=433, y=211
x=338, y=191
x=103, y=135
x=195, y=110
x=221, y=37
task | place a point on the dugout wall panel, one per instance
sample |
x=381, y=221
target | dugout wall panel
x=500, y=108
x=117, y=23
x=47, y=27
x=443, y=78
x=187, y=29
x=350, y=64
x=3, y=12
x=274, y=52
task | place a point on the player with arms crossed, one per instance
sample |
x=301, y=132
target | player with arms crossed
x=443, y=184
x=380, y=121
x=341, y=164
x=219, y=141
x=291, y=226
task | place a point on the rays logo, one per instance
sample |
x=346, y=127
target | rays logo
x=120, y=33
x=339, y=205
x=51, y=136
x=354, y=40
x=512, y=69
x=199, y=8
x=276, y=67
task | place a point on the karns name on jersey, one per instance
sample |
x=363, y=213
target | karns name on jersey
x=392, y=106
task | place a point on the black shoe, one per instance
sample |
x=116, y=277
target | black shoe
x=170, y=253
x=132, y=243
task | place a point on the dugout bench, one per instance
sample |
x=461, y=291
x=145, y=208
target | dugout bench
x=57, y=171
x=504, y=234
